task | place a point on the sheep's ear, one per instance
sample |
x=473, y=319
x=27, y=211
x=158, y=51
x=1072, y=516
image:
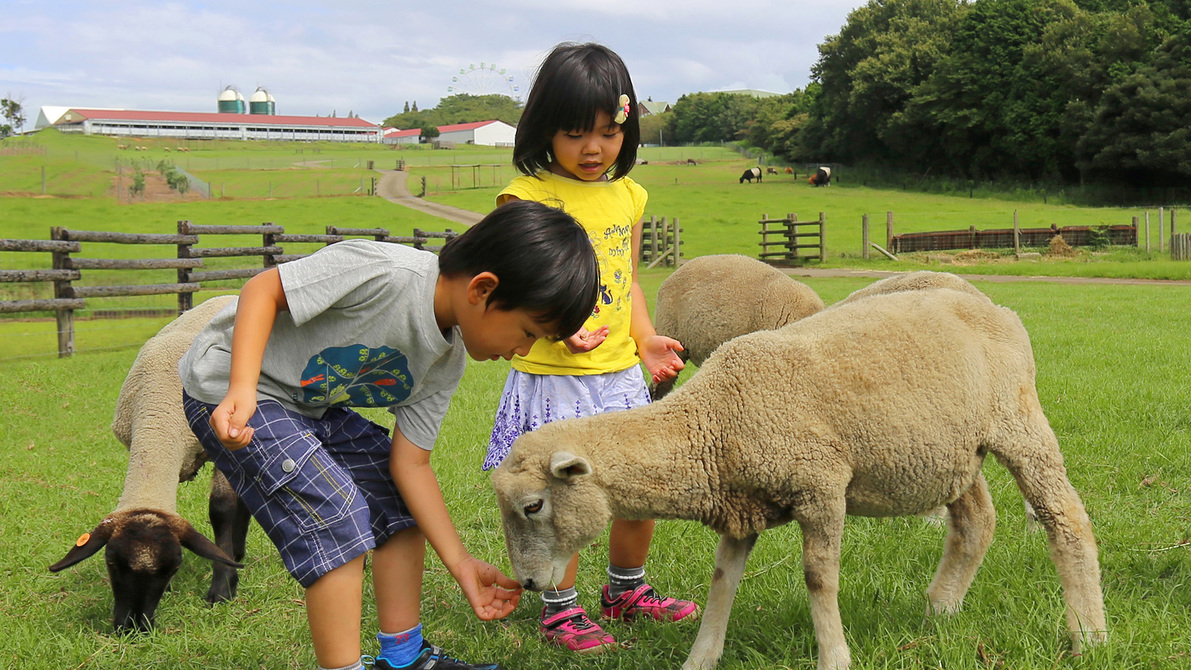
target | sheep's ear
x=199, y=544
x=566, y=465
x=85, y=546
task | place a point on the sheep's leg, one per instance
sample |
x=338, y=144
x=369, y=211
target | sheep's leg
x=229, y=520
x=970, y=525
x=821, y=539
x=730, y=558
x=1043, y=481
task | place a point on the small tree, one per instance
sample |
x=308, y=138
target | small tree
x=137, y=187
x=11, y=109
x=429, y=133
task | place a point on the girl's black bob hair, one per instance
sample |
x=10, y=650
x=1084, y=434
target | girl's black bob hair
x=542, y=257
x=574, y=83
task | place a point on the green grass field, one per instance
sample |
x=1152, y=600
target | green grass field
x=1111, y=377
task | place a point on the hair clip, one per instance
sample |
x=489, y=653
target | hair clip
x=622, y=114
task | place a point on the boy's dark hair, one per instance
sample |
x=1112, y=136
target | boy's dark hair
x=574, y=83
x=542, y=256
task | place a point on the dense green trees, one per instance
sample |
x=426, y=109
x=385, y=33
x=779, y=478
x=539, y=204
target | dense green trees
x=461, y=108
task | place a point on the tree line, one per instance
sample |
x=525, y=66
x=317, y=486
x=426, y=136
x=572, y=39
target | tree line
x=1058, y=91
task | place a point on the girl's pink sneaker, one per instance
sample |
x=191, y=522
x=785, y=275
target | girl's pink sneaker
x=644, y=602
x=572, y=629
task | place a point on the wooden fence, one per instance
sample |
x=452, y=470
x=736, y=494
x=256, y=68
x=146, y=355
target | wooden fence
x=661, y=242
x=187, y=260
x=790, y=241
x=971, y=238
x=1180, y=247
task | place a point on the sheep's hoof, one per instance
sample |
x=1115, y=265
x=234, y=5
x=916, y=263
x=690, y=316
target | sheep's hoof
x=1084, y=640
x=838, y=660
x=945, y=607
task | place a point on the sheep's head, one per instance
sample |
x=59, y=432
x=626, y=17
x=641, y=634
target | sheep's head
x=551, y=507
x=144, y=550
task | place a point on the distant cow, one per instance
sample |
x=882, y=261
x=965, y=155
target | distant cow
x=691, y=161
x=770, y=170
x=789, y=170
x=821, y=177
x=751, y=174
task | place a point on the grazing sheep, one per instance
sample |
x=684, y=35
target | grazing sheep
x=712, y=299
x=885, y=406
x=144, y=536
x=751, y=174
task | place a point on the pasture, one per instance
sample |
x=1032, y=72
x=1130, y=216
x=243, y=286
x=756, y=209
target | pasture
x=1111, y=377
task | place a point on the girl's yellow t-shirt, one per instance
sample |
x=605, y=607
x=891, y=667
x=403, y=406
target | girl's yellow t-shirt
x=607, y=210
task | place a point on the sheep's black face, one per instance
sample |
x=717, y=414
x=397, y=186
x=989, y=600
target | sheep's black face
x=140, y=571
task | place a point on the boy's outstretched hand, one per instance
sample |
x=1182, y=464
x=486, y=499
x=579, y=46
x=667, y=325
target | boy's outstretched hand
x=492, y=595
x=658, y=355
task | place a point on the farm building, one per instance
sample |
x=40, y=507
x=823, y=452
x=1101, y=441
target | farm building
x=485, y=133
x=394, y=136
x=649, y=107
x=212, y=125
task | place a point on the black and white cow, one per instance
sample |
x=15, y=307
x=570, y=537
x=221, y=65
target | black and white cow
x=751, y=174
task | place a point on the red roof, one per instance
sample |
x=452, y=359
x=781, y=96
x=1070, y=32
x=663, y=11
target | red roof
x=393, y=132
x=464, y=126
x=217, y=117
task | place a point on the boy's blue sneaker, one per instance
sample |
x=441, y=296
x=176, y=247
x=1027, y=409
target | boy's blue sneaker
x=434, y=658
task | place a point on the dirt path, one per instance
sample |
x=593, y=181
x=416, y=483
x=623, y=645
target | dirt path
x=995, y=279
x=392, y=187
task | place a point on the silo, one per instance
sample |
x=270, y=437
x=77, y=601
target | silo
x=261, y=102
x=231, y=102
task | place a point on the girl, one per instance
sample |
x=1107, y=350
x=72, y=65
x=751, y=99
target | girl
x=575, y=144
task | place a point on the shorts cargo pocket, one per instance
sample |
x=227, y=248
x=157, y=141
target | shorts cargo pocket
x=299, y=475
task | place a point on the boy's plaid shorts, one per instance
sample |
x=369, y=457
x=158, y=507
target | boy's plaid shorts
x=320, y=488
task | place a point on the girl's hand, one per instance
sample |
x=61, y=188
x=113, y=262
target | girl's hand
x=657, y=353
x=230, y=419
x=492, y=595
x=586, y=340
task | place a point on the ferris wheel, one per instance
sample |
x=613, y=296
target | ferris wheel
x=485, y=79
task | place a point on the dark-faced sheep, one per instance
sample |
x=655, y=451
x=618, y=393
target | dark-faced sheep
x=145, y=536
x=712, y=299
x=751, y=174
x=885, y=406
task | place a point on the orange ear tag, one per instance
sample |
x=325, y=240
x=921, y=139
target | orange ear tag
x=83, y=539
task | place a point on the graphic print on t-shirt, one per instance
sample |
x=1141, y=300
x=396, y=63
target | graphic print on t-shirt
x=357, y=376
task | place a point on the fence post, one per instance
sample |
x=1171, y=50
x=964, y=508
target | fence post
x=864, y=236
x=185, y=300
x=653, y=238
x=268, y=240
x=418, y=237
x=1161, y=221
x=1016, y=235
x=63, y=289
x=822, y=237
x=1147, y=232
x=889, y=229
x=677, y=243
x=1173, y=232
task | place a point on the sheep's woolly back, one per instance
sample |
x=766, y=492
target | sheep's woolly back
x=915, y=281
x=712, y=299
x=891, y=398
x=149, y=419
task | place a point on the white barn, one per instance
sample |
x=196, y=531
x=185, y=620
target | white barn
x=485, y=133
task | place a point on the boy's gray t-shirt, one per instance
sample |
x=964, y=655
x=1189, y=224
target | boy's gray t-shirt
x=360, y=332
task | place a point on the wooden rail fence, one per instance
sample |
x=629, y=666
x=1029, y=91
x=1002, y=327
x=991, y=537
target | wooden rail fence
x=796, y=242
x=661, y=242
x=187, y=261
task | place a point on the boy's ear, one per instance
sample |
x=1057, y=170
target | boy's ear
x=481, y=286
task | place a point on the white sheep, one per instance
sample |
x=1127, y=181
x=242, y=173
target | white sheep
x=145, y=535
x=885, y=406
x=915, y=281
x=712, y=299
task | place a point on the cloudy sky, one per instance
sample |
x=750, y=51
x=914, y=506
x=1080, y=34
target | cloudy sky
x=370, y=57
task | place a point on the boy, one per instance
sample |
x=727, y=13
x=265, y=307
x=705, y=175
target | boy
x=371, y=324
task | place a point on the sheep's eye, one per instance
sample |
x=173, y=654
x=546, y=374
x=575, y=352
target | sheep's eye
x=534, y=508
